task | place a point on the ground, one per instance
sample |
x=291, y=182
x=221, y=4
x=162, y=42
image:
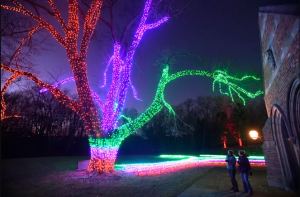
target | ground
x=56, y=176
x=216, y=183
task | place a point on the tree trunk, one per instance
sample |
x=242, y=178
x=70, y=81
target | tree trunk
x=102, y=159
x=103, y=154
x=88, y=110
x=203, y=137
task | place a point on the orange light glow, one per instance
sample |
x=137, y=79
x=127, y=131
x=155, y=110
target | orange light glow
x=253, y=134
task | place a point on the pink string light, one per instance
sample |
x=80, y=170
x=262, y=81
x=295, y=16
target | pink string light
x=134, y=92
x=98, y=100
x=108, y=121
x=158, y=23
x=164, y=167
x=94, y=94
x=59, y=83
x=105, y=71
x=125, y=82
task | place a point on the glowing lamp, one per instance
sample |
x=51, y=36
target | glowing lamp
x=253, y=134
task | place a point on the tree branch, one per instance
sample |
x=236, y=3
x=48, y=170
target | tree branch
x=111, y=21
x=97, y=98
x=128, y=25
x=73, y=30
x=40, y=6
x=109, y=25
x=182, y=10
x=24, y=11
x=58, y=16
x=90, y=22
x=55, y=91
x=157, y=23
x=128, y=62
x=3, y=90
x=18, y=51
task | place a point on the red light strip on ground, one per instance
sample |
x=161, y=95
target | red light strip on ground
x=169, y=166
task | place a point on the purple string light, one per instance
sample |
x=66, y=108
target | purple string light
x=134, y=92
x=108, y=121
x=59, y=83
x=128, y=61
x=94, y=94
x=98, y=100
x=106, y=69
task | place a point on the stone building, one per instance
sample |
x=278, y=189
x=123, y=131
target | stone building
x=279, y=34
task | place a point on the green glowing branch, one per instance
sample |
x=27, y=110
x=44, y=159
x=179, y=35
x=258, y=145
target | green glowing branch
x=223, y=77
x=219, y=76
x=171, y=110
x=127, y=118
x=234, y=78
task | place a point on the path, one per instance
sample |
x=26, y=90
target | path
x=216, y=183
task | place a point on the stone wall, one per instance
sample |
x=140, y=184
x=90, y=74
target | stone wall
x=274, y=177
x=280, y=33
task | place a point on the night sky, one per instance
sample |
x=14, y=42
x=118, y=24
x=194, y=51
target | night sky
x=220, y=32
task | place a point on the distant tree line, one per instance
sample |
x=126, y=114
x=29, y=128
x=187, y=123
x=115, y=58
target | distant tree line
x=204, y=122
x=200, y=123
x=41, y=114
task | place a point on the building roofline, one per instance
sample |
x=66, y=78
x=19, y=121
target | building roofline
x=292, y=9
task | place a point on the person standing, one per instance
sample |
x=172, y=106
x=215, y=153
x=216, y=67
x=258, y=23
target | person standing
x=231, y=162
x=245, y=170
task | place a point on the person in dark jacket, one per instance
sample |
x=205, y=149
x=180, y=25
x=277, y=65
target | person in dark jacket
x=231, y=161
x=245, y=170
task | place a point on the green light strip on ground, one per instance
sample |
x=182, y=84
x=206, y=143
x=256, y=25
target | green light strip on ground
x=174, y=156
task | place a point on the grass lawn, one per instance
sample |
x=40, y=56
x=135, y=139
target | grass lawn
x=57, y=176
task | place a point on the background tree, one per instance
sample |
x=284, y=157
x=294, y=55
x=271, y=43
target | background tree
x=205, y=107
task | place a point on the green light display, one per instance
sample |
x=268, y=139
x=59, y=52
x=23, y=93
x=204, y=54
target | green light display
x=220, y=77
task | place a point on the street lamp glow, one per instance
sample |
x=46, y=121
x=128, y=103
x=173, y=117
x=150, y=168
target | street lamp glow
x=253, y=134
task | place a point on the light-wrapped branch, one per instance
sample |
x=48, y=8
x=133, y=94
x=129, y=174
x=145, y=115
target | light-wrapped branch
x=57, y=15
x=55, y=91
x=23, y=10
x=3, y=90
x=19, y=49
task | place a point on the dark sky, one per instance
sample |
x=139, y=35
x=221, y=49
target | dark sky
x=223, y=32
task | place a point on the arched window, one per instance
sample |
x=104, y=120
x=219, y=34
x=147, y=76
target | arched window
x=294, y=110
x=286, y=154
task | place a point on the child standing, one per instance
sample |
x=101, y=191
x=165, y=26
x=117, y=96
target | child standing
x=231, y=161
x=245, y=170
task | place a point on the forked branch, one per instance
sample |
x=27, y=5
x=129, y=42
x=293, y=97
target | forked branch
x=21, y=9
x=55, y=91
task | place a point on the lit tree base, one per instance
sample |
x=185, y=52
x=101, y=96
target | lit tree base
x=102, y=159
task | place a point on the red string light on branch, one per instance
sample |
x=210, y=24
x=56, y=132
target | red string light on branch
x=3, y=90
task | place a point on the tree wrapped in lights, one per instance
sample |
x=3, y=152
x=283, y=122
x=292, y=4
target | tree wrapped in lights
x=3, y=105
x=106, y=136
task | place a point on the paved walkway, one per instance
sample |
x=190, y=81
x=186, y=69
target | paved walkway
x=216, y=183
